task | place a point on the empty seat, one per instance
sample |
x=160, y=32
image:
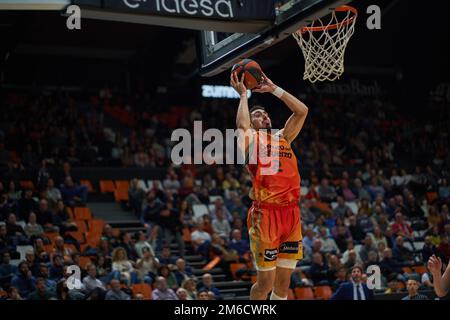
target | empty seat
x=323, y=292
x=304, y=293
x=82, y=213
x=88, y=184
x=142, y=288
x=107, y=186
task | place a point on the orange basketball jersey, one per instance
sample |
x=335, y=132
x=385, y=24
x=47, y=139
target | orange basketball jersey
x=273, y=169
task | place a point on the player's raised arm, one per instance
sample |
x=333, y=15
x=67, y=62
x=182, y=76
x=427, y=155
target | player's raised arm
x=243, y=115
x=295, y=122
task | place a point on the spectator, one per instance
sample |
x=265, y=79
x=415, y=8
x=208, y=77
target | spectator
x=33, y=229
x=171, y=280
x=356, y=230
x=122, y=267
x=147, y=266
x=182, y=294
x=136, y=196
x=162, y=291
x=190, y=286
x=326, y=192
x=201, y=240
x=57, y=268
x=428, y=249
x=378, y=237
x=341, y=277
x=53, y=194
x=44, y=217
x=115, y=293
x=45, y=274
x=413, y=291
x=13, y=294
x=402, y=254
x=220, y=225
x=328, y=243
x=355, y=289
x=171, y=226
x=26, y=205
x=341, y=208
x=7, y=270
x=319, y=272
x=208, y=285
x=237, y=243
x=166, y=257
x=15, y=231
x=366, y=248
x=73, y=195
x=92, y=283
x=182, y=272
x=62, y=250
x=203, y=294
x=24, y=280
x=41, y=292
x=391, y=268
x=444, y=249
x=400, y=227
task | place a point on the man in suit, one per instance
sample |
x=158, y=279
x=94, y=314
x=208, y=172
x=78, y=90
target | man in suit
x=354, y=289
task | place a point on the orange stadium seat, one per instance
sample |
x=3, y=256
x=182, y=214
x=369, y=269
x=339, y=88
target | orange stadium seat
x=3, y=294
x=143, y=289
x=88, y=184
x=82, y=213
x=323, y=292
x=84, y=261
x=48, y=248
x=291, y=295
x=304, y=293
x=420, y=269
x=77, y=235
x=26, y=184
x=81, y=225
x=96, y=225
x=107, y=186
x=121, y=192
x=51, y=236
x=407, y=270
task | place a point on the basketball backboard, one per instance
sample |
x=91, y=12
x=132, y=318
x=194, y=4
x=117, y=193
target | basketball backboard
x=219, y=50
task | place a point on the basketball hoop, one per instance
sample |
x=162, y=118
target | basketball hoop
x=323, y=44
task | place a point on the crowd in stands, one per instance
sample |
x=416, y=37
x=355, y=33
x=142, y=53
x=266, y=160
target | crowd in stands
x=360, y=204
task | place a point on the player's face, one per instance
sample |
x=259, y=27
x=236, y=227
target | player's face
x=260, y=120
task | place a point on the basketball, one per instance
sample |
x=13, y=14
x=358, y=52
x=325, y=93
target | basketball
x=253, y=72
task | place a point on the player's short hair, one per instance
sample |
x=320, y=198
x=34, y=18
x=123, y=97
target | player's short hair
x=257, y=107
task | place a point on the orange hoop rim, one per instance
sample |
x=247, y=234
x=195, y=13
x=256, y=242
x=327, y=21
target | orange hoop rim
x=334, y=26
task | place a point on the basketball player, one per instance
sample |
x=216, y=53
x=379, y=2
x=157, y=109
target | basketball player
x=274, y=218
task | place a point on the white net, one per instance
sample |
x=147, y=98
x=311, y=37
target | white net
x=323, y=45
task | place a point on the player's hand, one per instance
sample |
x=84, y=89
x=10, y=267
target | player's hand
x=237, y=84
x=434, y=265
x=266, y=85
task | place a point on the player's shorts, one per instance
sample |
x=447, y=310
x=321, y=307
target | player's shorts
x=275, y=235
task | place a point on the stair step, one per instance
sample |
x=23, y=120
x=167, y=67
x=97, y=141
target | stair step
x=198, y=264
x=200, y=272
x=233, y=284
x=237, y=290
x=236, y=298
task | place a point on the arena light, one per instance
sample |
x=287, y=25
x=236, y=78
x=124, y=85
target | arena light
x=221, y=92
